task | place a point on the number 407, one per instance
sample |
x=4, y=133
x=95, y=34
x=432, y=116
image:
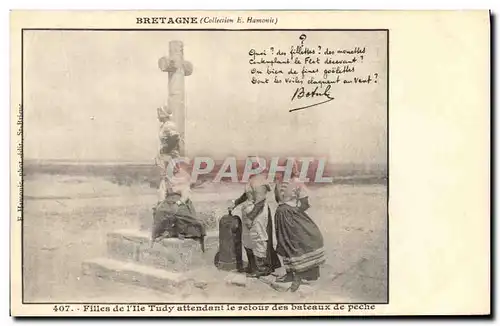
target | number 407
x=62, y=308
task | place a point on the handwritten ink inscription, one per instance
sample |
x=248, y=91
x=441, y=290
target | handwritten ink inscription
x=314, y=73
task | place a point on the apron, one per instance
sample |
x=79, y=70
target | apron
x=256, y=237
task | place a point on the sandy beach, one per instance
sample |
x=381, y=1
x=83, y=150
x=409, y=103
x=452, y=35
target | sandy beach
x=66, y=220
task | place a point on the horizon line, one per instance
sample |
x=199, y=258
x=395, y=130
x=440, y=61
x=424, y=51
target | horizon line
x=151, y=161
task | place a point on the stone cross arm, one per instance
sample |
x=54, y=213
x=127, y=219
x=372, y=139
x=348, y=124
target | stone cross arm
x=167, y=64
x=175, y=60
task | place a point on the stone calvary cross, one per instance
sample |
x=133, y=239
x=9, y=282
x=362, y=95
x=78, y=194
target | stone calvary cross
x=177, y=69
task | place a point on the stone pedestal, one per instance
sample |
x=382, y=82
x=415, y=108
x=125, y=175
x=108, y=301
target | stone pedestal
x=163, y=267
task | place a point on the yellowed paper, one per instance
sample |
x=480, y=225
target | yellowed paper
x=266, y=163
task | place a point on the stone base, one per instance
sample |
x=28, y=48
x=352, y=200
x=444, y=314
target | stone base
x=135, y=274
x=168, y=254
x=163, y=267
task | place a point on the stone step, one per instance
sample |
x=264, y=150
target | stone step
x=173, y=254
x=135, y=274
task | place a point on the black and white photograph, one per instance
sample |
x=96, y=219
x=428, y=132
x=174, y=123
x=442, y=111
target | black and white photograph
x=238, y=163
x=277, y=148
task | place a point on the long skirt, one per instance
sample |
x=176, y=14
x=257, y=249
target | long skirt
x=299, y=242
x=173, y=221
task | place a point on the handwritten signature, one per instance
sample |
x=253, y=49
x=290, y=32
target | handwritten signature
x=316, y=93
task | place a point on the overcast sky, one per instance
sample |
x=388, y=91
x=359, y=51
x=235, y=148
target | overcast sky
x=93, y=96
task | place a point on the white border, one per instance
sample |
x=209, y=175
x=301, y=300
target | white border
x=6, y=5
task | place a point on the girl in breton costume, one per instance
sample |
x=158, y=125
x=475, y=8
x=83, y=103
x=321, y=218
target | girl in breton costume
x=170, y=138
x=257, y=236
x=299, y=240
x=175, y=216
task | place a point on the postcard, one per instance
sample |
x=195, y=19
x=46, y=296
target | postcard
x=238, y=163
